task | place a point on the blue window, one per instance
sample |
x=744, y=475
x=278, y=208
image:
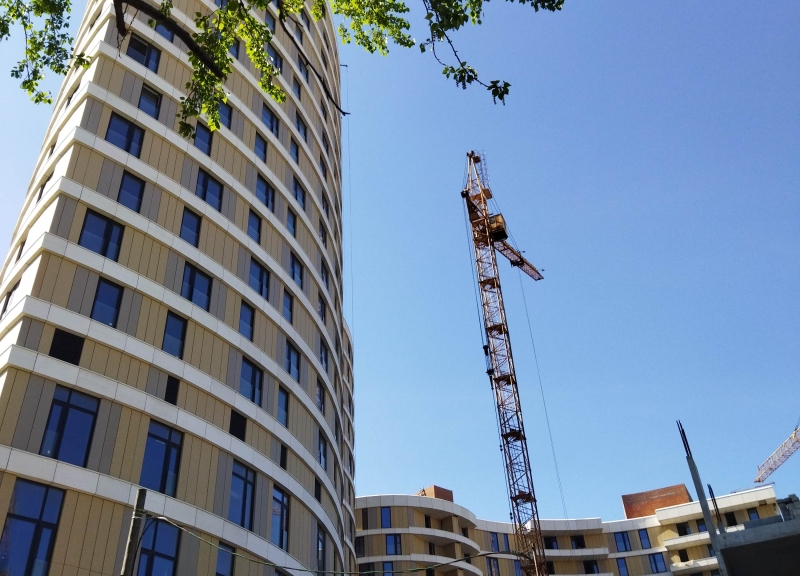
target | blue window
x=578, y=542
x=107, y=300
x=322, y=452
x=209, y=189
x=224, y=560
x=270, y=20
x=150, y=102
x=657, y=564
x=495, y=543
x=644, y=538
x=301, y=126
x=190, y=227
x=622, y=566
x=298, y=32
x=302, y=67
x=590, y=567
x=292, y=361
x=280, y=518
x=321, y=407
x=323, y=234
x=305, y=19
x=254, y=226
x=323, y=356
x=165, y=32
x=30, y=529
x=752, y=514
x=388, y=569
x=492, y=567
x=518, y=568
x=711, y=552
x=323, y=272
x=196, y=286
x=298, y=193
x=260, y=147
x=296, y=270
x=296, y=88
x=294, y=150
x=159, y=555
x=505, y=541
x=243, y=486
x=124, y=134
x=202, y=139
x=321, y=554
x=226, y=112
x=275, y=58
x=234, y=51
x=265, y=193
x=131, y=191
x=701, y=525
x=247, y=317
x=102, y=235
x=623, y=542
x=144, y=53
x=386, y=517
x=259, y=279
x=174, y=335
x=70, y=426
x=393, y=545
x=283, y=406
x=269, y=119
x=291, y=222
x=550, y=543
x=162, y=459
x=250, y=382
x=288, y=306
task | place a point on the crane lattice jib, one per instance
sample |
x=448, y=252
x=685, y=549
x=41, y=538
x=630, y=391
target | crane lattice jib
x=780, y=456
x=500, y=367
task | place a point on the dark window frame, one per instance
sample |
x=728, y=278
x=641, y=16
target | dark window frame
x=172, y=442
x=65, y=400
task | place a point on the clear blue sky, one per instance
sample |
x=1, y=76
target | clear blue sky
x=649, y=160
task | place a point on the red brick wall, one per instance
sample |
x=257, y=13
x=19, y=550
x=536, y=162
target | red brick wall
x=646, y=503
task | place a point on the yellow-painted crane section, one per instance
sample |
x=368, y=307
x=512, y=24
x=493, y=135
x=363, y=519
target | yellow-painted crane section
x=489, y=235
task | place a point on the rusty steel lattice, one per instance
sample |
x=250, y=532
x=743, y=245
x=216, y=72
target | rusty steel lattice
x=488, y=235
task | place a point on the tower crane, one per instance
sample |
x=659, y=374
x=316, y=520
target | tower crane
x=489, y=234
x=780, y=455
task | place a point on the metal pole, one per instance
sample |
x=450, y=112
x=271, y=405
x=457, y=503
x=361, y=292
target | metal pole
x=701, y=496
x=133, y=534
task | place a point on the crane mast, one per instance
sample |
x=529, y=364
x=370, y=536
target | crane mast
x=489, y=234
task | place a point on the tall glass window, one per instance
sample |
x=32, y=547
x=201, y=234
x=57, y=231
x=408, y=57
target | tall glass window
x=150, y=102
x=283, y=406
x=622, y=566
x=209, y=189
x=196, y=286
x=159, y=549
x=388, y=569
x=250, y=383
x=260, y=147
x=243, y=486
x=107, y=300
x=203, y=138
x=247, y=316
x=321, y=550
x=190, y=227
x=288, y=306
x=102, y=235
x=320, y=397
x=225, y=560
x=131, y=191
x=644, y=538
x=299, y=193
x=125, y=134
x=225, y=113
x=265, y=193
x=144, y=53
x=280, y=518
x=70, y=426
x=174, y=335
x=495, y=542
x=386, y=517
x=292, y=361
x=259, y=279
x=296, y=270
x=622, y=541
x=268, y=117
x=254, y=226
x=322, y=452
x=657, y=564
x=30, y=529
x=493, y=567
x=162, y=458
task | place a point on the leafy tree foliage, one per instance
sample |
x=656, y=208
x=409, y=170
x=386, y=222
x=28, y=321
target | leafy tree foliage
x=371, y=24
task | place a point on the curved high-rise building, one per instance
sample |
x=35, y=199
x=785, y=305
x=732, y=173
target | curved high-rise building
x=172, y=319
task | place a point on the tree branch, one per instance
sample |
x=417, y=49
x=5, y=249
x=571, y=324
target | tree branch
x=170, y=25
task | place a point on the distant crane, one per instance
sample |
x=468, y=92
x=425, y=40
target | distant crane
x=489, y=234
x=780, y=455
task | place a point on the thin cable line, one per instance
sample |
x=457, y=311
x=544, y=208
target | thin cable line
x=328, y=572
x=541, y=390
